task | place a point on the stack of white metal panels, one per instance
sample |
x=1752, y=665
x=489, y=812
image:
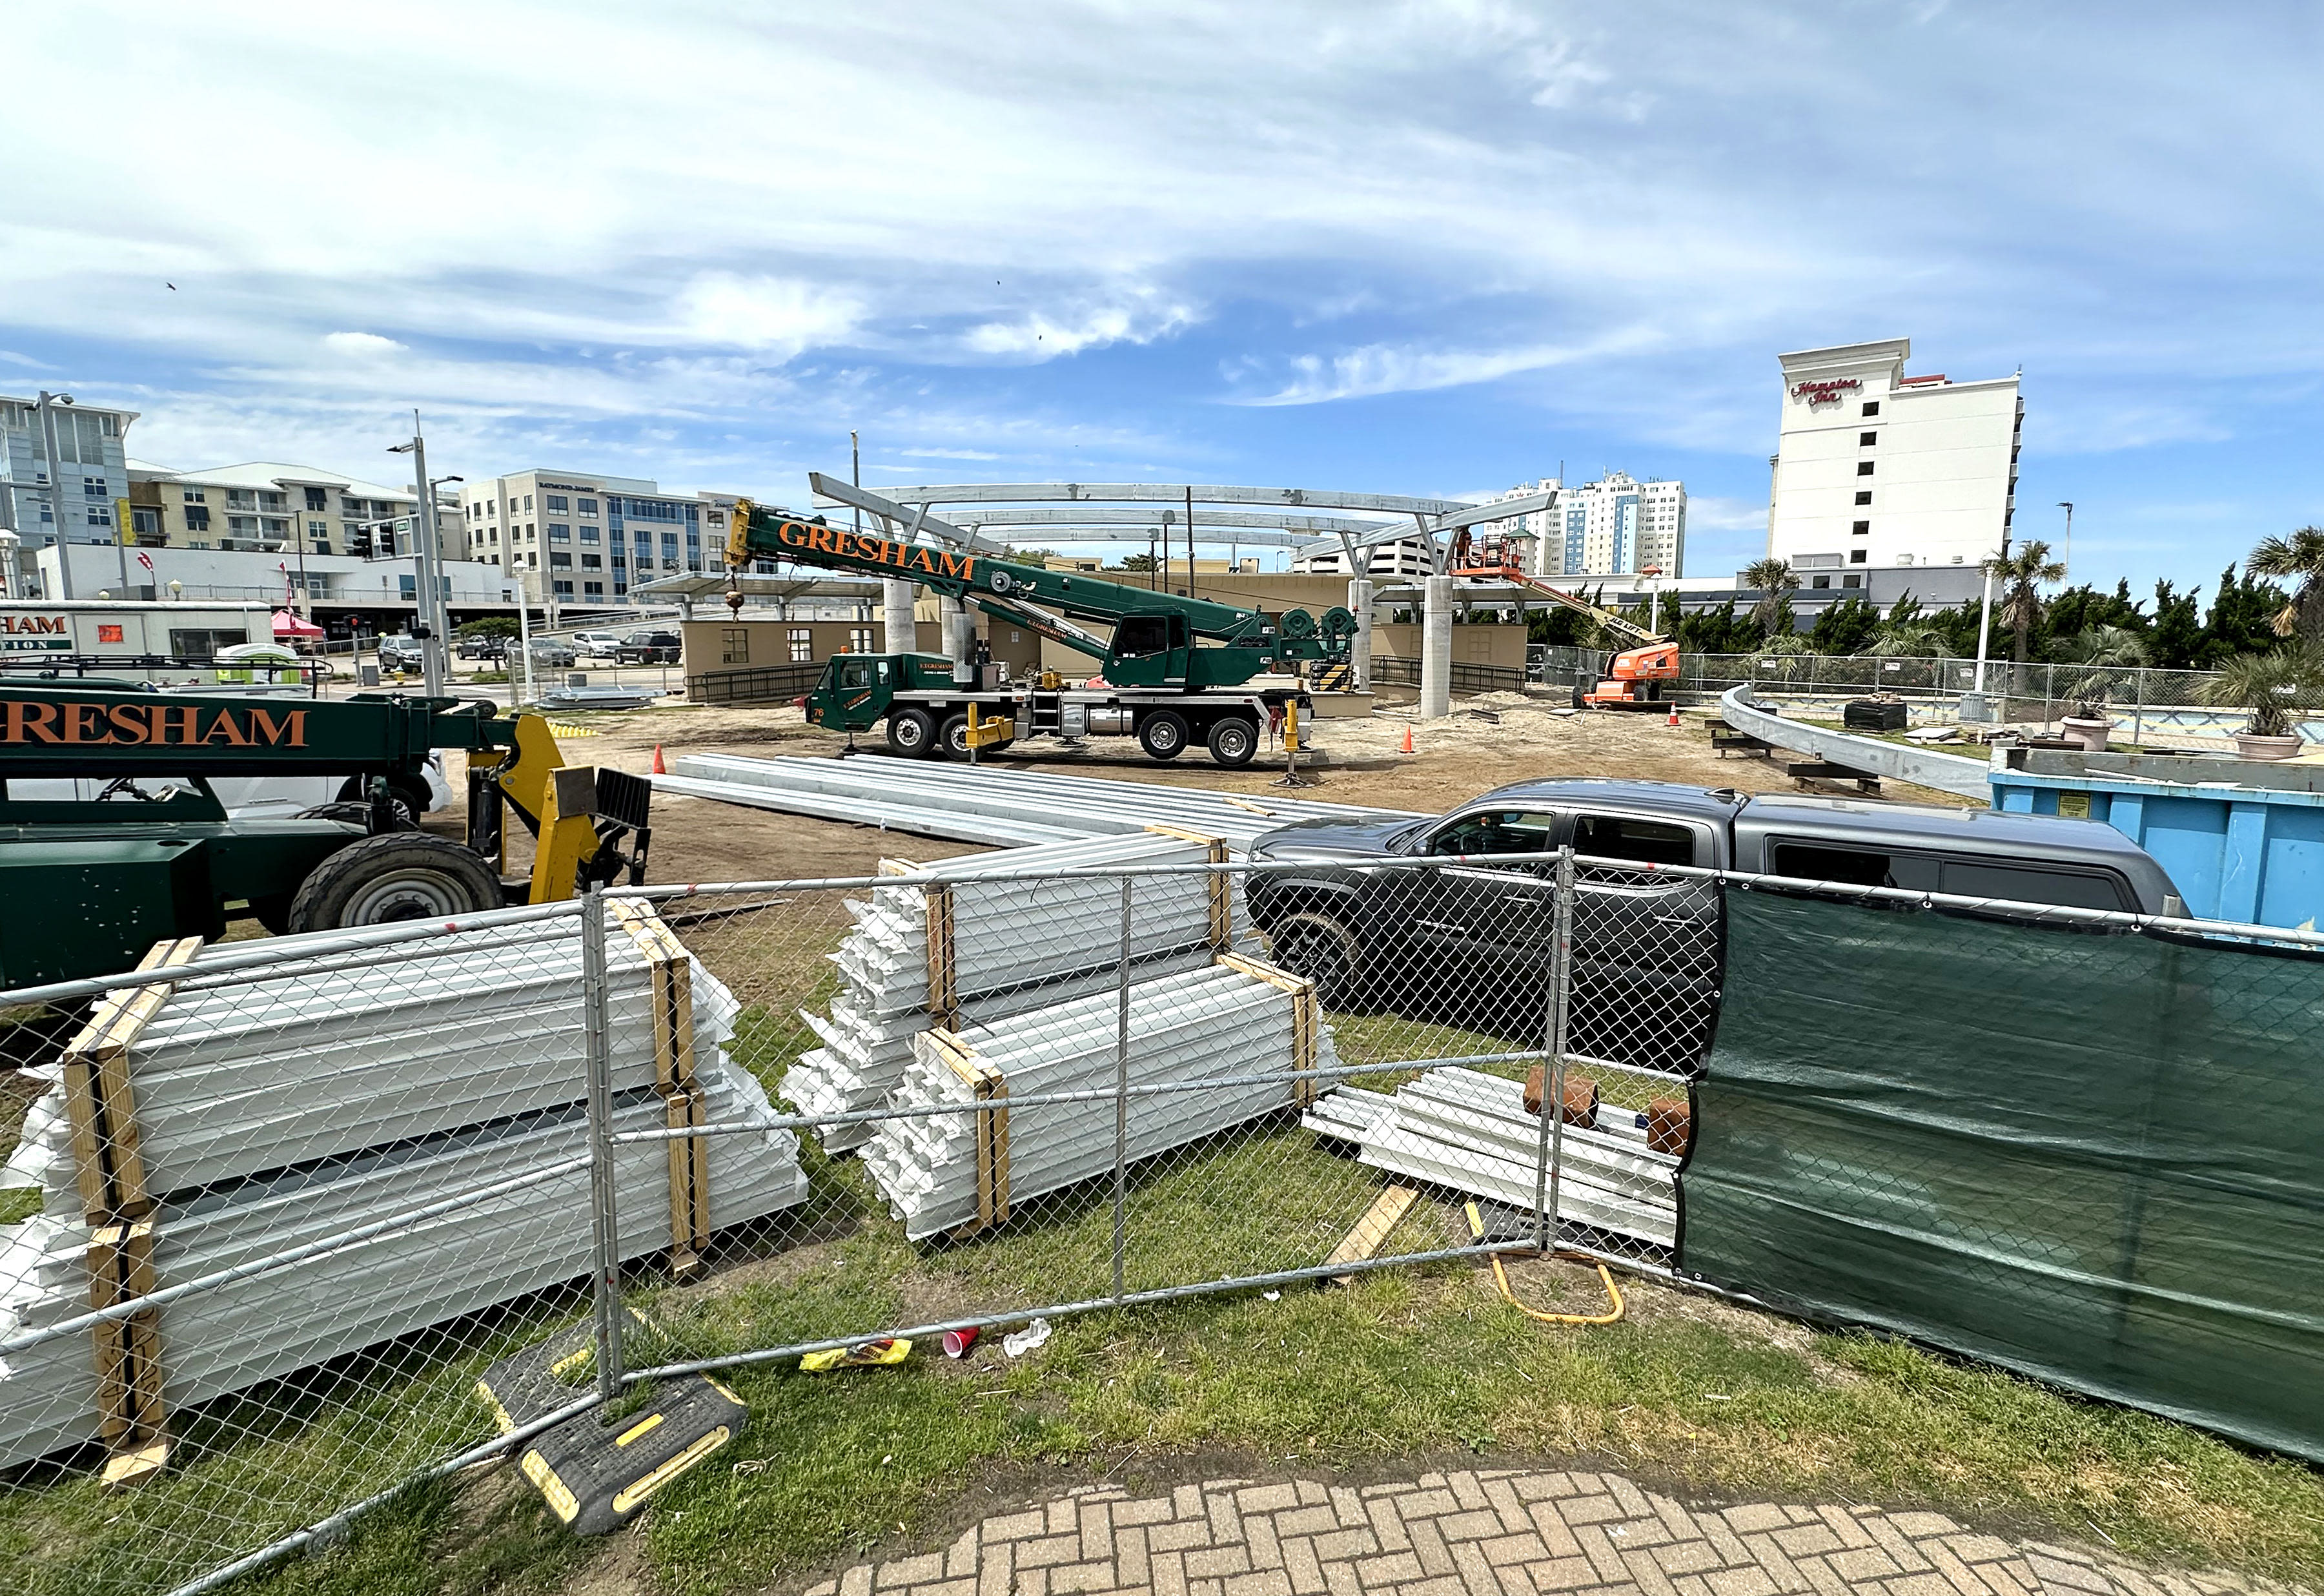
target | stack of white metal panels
x=1214, y=1024
x=333, y=1093
x=988, y=803
x=1018, y=936
x=1469, y=1132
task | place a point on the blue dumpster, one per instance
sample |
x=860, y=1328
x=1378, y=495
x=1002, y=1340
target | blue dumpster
x=2243, y=840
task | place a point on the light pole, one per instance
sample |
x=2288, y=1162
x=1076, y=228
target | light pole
x=44, y=409
x=2068, y=506
x=426, y=627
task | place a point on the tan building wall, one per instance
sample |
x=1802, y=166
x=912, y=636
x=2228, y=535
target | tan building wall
x=728, y=644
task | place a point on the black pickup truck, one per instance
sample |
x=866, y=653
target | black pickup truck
x=1469, y=942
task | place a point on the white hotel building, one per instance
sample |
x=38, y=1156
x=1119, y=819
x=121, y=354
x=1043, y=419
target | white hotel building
x=1888, y=483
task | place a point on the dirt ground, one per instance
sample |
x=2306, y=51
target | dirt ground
x=1489, y=742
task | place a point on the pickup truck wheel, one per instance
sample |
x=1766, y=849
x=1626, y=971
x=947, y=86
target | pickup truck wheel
x=1323, y=950
x=398, y=875
x=911, y=734
x=1233, y=741
x=953, y=740
x=1163, y=734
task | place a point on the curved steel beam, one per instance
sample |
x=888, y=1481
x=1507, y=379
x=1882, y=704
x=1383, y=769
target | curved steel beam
x=1924, y=767
x=1156, y=493
x=1261, y=520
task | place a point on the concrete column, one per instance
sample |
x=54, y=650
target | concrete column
x=959, y=638
x=896, y=617
x=1437, y=649
x=1360, y=652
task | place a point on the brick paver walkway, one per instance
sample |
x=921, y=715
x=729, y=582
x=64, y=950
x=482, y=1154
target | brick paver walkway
x=1487, y=1533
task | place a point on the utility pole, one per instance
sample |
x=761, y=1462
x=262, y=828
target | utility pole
x=427, y=615
x=1190, y=540
x=2068, y=506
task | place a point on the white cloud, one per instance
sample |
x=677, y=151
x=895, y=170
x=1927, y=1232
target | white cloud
x=1140, y=319
x=781, y=315
x=364, y=344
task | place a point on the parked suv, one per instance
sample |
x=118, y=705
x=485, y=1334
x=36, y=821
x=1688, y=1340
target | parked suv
x=401, y=654
x=1470, y=940
x=484, y=648
x=648, y=648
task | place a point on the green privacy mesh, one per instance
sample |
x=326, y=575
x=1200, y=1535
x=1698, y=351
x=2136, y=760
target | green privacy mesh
x=2094, y=1158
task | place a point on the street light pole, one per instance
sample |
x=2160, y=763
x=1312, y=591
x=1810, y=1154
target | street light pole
x=2068, y=506
x=427, y=611
x=46, y=408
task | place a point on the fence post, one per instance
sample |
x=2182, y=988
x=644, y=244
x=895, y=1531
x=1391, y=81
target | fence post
x=606, y=1247
x=1551, y=1131
x=1122, y=1090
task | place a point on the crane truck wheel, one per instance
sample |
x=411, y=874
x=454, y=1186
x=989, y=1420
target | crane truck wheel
x=1163, y=734
x=397, y=876
x=952, y=741
x=911, y=734
x=1233, y=741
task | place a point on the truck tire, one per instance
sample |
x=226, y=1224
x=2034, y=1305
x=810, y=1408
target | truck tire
x=951, y=738
x=398, y=875
x=1321, y=949
x=1233, y=741
x=1163, y=734
x=911, y=734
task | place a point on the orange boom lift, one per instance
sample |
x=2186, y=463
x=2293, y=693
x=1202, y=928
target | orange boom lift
x=1634, y=679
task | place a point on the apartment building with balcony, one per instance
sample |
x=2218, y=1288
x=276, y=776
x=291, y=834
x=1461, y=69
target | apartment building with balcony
x=73, y=498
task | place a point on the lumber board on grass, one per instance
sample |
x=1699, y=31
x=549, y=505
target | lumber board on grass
x=1372, y=1229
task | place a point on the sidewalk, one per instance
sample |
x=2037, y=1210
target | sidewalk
x=1489, y=1533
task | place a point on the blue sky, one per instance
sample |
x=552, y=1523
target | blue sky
x=1430, y=247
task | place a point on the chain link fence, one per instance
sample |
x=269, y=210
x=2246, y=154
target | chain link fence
x=296, y=1224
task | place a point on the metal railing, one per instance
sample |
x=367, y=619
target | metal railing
x=1467, y=675
x=1165, y=1075
x=753, y=684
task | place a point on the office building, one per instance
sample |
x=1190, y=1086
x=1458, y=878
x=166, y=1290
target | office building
x=81, y=504
x=1398, y=556
x=1911, y=477
x=580, y=538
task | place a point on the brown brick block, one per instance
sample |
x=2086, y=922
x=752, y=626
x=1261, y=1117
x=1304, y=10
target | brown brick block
x=1514, y=1550
x=1922, y=1585
x=1014, y=1527
x=1561, y=1574
x=1075, y=1578
x=1428, y=1546
x=1096, y=1531
x=1179, y=1534
x=1549, y=1523
x=1978, y=1548
x=1476, y=1525
x=1694, y=1556
x=1062, y=1517
x=960, y=1557
x=1425, y=1504
x=1349, y=1506
x=1048, y=1551
x=1148, y=1509
x=1388, y=1527
x=996, y=1570
x=1893, y=1542
x=1217, y=1561
x=911, y=1571
x=1919, y=1526
x=1341, y=1544
x=1590, y=1509
x=1312, y=1493
x=1226, y=1523
x=1187, y=1501
x=1165, y=1573
x=1392, y=1569
x=1805, y=1540
x=1535, y=1488
x=1863, y=1562
x=1444, y=1585
x=1755, y=1517
x=1467, y=1490
x=1780, y=1567
x=1300, y=1564
x=1740, y=1581
x=1130, y=1555
x=856, y=1580
x=1316, y=1518
x=1476, y=1573
x=1844, y=1526
x=1265, y=1582
x=1266, y=1499
x=1258, y=1535
x=1340, y=1579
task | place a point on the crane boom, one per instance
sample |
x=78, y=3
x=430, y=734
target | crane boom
x=1154, y=636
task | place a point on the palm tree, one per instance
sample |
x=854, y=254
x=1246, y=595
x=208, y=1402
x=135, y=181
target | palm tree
x=2301, y=555
x=1909, y=639
x=2100, y=650
x=2277, y=690
x=2021, y=575
x=1774, y=582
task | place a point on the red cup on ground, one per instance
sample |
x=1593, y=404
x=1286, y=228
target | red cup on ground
x=957, y=1342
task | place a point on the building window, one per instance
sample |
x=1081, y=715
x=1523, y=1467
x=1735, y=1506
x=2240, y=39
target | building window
x=193, y=496
x=586, y=506
x=591, y=562
x=619, y=588
x=588, y=534
x=317, y=499
x=553, y=502
x=319, y=529
x=273, y=501
x=528, y=501
x=100, y=516
x=1851, y=581
x=198, y=517
x=594, y=589
x=1860, y=529
x=1872, y=406
x=241, y=499
x=562, y=590
x=560, y=560
x=242, y=526
x=718, y=518
x=1856, y=558
x=621, y=560
x=1820, y=581
x=859, y=640
x=802, y=643
x=1864, y=468
x=1863, y=496
x=669, y=548
x=558, y=532
x=1866, y=439
x=277, y=526
x=734, y=645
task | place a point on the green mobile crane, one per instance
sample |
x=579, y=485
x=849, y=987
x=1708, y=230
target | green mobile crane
x=145, y=852
x=1157, y=682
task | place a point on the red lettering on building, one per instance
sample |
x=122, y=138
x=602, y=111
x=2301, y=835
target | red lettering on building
x=1826, y=392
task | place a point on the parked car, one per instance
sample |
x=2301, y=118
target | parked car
x=1472, y=940
x=597, y=645
x=484, y=648
x=400, y=653
x=648, y=648
x=555, y=653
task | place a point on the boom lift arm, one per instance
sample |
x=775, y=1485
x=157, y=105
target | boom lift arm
x=1156, y=650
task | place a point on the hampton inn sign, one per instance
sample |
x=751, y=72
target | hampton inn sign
x=1826, y=392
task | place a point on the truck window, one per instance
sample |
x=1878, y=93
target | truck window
x=1862, y=867
x=1648, y=841
x=854, y=673
x=1136, y=635
x=2073, y=888
x=1497, y=831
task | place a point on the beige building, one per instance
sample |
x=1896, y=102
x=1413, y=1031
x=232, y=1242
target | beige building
x=267, y=507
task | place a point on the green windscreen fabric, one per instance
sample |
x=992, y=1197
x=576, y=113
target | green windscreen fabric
x=2096, y=1158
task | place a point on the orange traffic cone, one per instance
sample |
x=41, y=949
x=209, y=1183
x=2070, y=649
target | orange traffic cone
x=1407, y=741
x=1674, y=716
x=658, y=768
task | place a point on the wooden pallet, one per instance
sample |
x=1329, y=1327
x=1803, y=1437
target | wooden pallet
x=1806, y=771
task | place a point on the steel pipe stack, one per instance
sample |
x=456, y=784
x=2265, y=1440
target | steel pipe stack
x=958, y=1172
x=1008, y=937
x=436, y=1096
x=1469, y=1131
